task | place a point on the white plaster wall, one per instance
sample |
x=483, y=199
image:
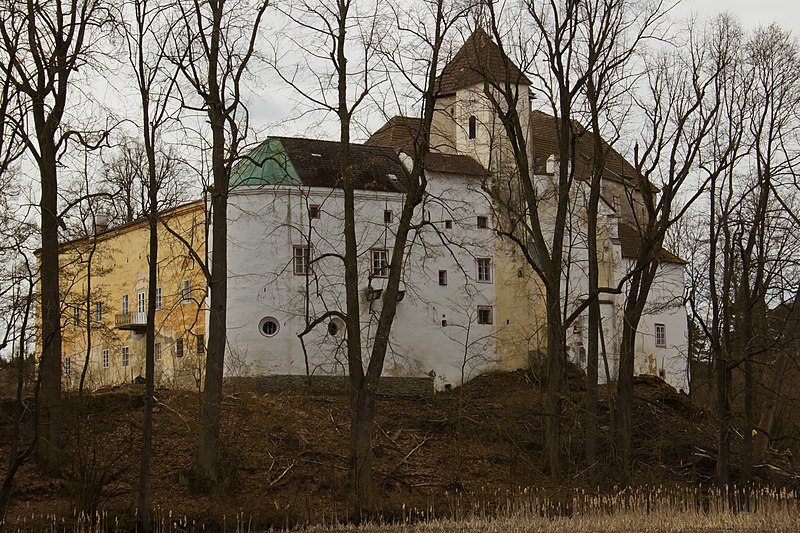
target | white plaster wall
x=665, y=306
x=265, y=222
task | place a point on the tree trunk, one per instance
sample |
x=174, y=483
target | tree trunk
x=555, y=378
x=149, y=374
x=206, y=467
x=48, y=451
x=363, y=416
x=634, y=307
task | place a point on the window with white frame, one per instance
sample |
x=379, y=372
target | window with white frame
x=68, y=365
x=661, y=335
x=484, y=265
x=76, y=316
x=98, y=311
x=485, y=314
x=126, y=356
x=124, y=304
x=159, y=298
x=379, y=263
x=141, y=302
x=157, y=351
x=106, y=358
x=301, y=259
x=186, y=291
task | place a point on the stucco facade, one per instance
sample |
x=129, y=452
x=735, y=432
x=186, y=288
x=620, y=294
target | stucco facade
x=437, y=330
x=104, y=293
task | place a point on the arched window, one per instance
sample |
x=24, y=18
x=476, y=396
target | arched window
x=473, y=126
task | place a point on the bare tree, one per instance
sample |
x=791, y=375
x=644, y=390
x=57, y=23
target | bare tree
x=151, y=27
x=338, y=25
x=213, y=48
x=45, y=43
x=680, y=106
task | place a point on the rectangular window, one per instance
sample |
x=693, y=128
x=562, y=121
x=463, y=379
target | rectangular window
x=141, y=302
x=472, y=127
x=179, y=348
x=484, y=269
x=98, y=311
x=483, y=222
x=661, y=336
x=159, y=298
x=485, y=314
x=388, y=216
x=201, y=344
x=76, y=316
x=379, y=263
x=314, y=211
x=443, y=277
x=186, y=291
x=106, y=359
x=157, y=351
x=301, y=260
x=126, y=356
x=124, y=304
x=68, y=365
x=448, y=224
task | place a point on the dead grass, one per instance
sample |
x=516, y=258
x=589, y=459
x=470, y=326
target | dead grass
x=463, y=454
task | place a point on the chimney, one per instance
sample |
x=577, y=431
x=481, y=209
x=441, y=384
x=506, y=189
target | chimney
x=550, y=166
x=100, y=223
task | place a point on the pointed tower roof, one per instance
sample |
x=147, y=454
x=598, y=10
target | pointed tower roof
x=478, y=58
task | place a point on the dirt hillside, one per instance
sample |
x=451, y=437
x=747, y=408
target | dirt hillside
x=285, y=453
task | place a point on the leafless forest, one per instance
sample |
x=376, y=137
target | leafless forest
x=117, y=112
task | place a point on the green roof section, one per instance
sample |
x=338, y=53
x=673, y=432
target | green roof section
x=267, y=164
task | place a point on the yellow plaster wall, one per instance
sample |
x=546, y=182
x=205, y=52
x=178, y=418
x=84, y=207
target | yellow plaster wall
x=118, y=261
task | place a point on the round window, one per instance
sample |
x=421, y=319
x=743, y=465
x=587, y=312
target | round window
x=268, y=326
x=336, y=327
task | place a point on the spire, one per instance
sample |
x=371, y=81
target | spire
x=478, y=58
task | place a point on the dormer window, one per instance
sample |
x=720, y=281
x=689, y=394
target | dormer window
x=473, y=127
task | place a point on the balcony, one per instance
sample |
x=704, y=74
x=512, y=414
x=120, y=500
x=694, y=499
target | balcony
x=131, y=321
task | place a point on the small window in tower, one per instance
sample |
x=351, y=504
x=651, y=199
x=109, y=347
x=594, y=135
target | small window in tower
x=473, y=126
x=443, y=277
x=485, y=314
x=661, y=336
x=448, y=224
x=482, y=222
x=313, y=211
x=388, y=216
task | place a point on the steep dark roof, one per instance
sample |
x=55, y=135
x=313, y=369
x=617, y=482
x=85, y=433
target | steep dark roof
x=478, y=59
x=544, y=143
x=630, y=241
x=400, y=132
x=315, y=163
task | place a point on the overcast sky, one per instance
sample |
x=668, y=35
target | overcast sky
x=751, y=12
x=272, y=110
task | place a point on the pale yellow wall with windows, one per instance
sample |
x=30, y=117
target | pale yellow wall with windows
x=118, y=262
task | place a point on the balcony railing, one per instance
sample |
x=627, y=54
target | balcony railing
x=134, y=321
